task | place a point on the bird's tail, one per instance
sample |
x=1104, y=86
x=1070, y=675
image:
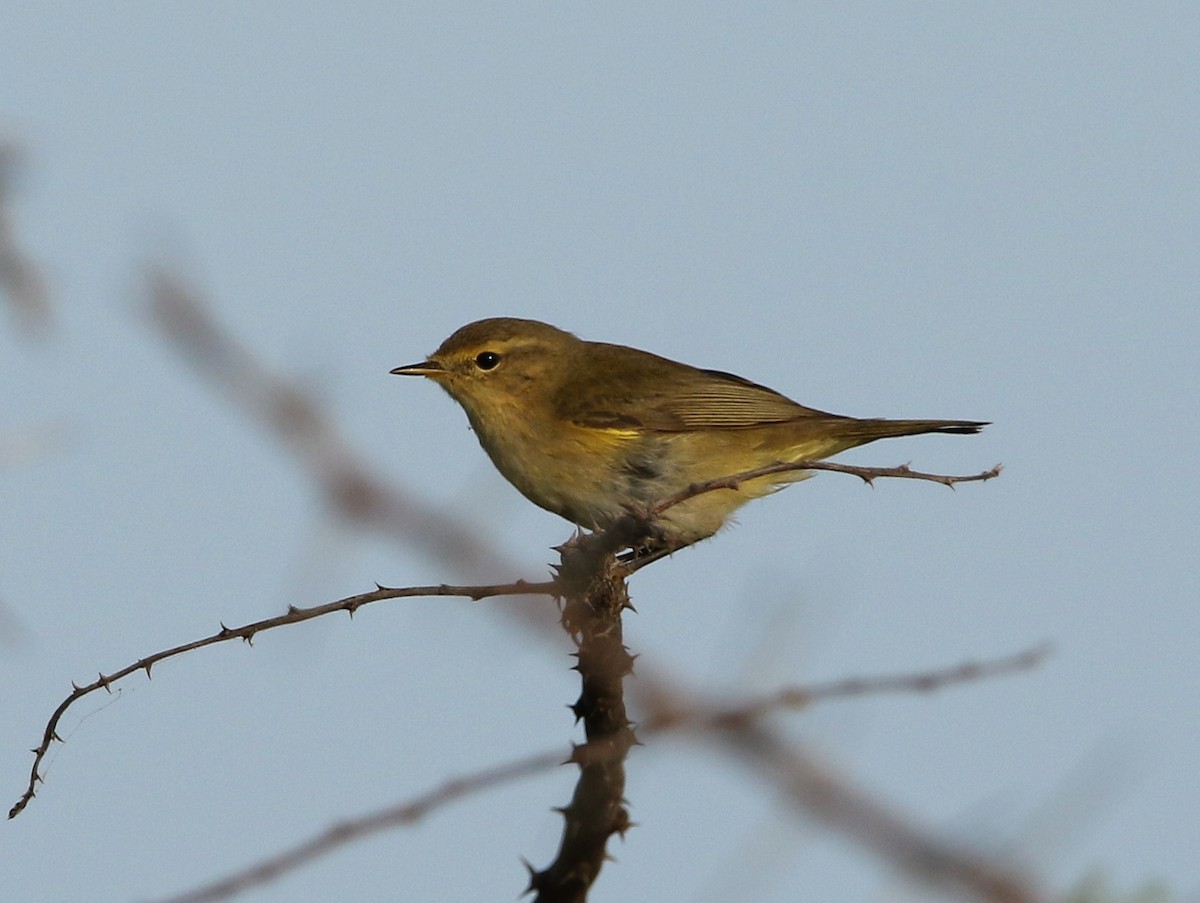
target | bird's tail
x=859, y=432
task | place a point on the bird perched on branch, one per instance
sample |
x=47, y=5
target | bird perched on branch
x=593, y=431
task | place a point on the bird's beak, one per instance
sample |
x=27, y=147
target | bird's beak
x=425, y=368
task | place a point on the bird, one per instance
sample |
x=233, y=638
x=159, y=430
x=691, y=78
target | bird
x=595, y=432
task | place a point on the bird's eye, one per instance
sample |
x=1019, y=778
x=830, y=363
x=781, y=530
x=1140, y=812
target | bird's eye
x=487, y=360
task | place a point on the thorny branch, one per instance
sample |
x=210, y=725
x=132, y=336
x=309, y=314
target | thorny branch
x=868, y=475
x=595, y=596
x=247, y=633
x=593, y=584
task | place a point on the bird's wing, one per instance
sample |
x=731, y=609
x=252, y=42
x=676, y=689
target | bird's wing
x=642, y=391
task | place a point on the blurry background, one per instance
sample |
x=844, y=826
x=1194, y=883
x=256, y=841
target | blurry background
x=899, y=210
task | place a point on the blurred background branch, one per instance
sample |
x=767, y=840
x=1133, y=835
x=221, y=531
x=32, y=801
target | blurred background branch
x=933, y=861
x=22, y=282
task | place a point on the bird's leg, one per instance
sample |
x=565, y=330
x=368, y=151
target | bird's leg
x=647, y=553
x=651, y=543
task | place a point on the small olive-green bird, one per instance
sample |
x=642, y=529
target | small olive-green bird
x=592, y=431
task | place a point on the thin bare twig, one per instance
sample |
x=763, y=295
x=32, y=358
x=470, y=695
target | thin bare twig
x=247, y=633
x=635, y=562
x=867, y=474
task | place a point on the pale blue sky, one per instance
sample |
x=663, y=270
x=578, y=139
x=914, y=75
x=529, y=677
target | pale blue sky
x=899, y=210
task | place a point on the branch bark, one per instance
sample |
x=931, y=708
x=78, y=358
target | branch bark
x=594, y=597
